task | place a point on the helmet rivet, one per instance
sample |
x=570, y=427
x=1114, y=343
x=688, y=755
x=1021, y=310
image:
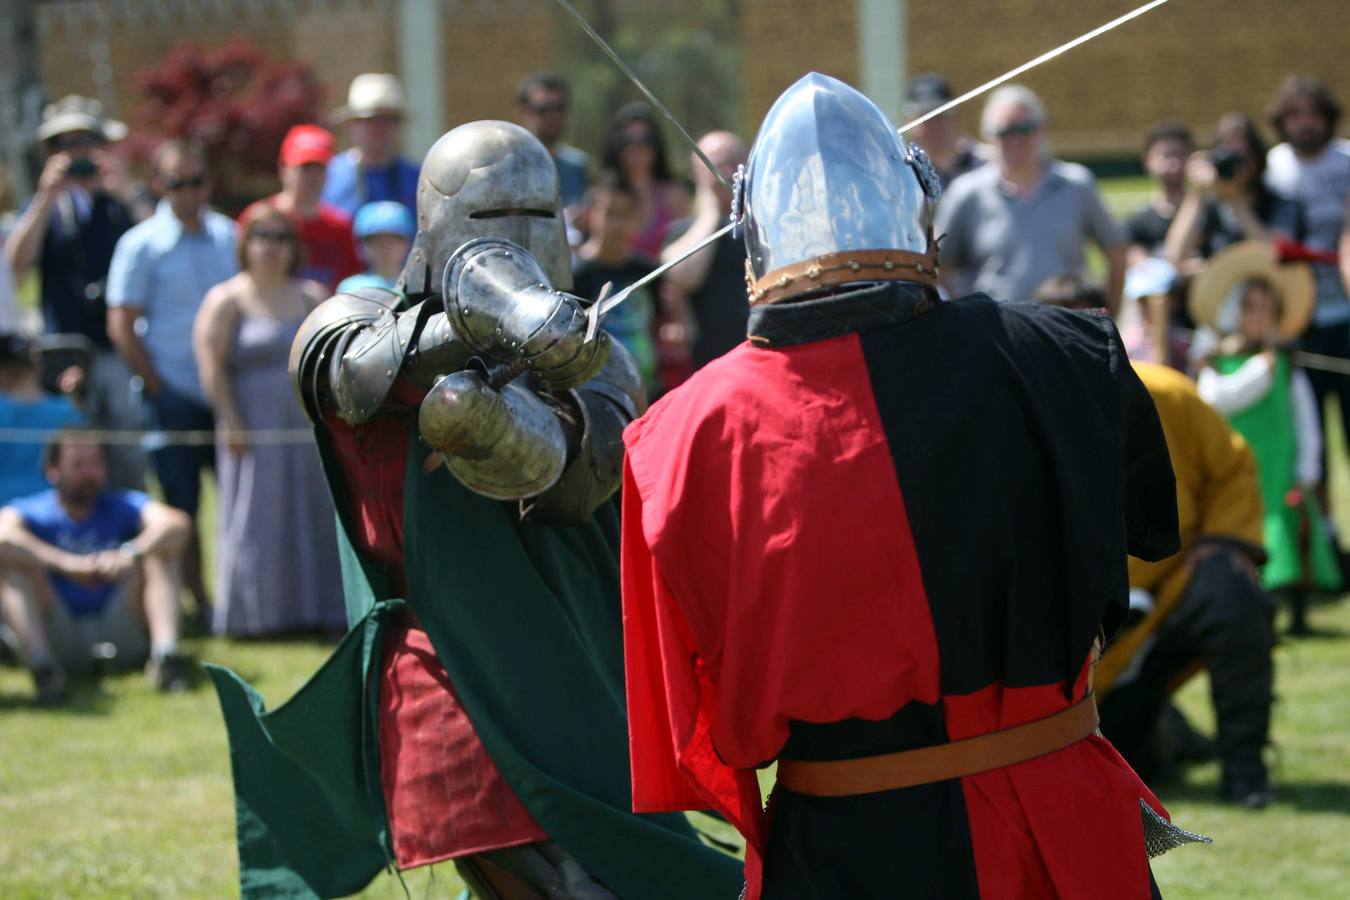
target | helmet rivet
x=784, y=281
x=920, y=267
x=889, y=265
x=854, y=265
x=813, y=272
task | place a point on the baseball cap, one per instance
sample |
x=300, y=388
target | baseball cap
x=384, y=217
x=307, y=144
x=927, y=92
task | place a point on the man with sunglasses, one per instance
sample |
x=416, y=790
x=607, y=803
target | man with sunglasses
x=82, y=206
x=161, y=270
x=543, y=100
x=1025, y=218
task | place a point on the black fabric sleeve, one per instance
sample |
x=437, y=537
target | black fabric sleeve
x=1151, y=527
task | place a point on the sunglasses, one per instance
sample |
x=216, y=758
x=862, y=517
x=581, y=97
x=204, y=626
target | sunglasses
x=271, y=236
x=542, y=109
x=175, y=183
x=1022, y=129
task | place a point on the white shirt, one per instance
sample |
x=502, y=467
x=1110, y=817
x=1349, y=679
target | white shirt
x=1320, y=186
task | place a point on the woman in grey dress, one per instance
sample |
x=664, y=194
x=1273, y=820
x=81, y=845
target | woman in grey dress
x=276, y=561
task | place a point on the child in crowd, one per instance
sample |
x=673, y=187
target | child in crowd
x=385, y=231
x=24, y=404
x=1259, y=307
x=611, y=213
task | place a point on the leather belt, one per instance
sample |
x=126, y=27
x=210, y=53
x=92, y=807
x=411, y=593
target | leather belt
x=940, y=762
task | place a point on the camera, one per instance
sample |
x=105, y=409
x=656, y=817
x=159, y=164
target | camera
x=82, y=167
x=1227, y=162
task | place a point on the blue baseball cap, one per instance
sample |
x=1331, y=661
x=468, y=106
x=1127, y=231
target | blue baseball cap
x=384, y=217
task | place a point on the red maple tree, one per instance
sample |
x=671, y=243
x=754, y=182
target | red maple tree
x=234, y=101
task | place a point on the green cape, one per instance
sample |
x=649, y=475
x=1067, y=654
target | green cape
x=1268, y=426
x=527, y=621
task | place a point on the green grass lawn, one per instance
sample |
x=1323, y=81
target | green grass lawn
x=125, y=793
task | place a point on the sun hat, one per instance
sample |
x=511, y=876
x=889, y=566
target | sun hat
x=1215, y=289
x=76, y=113
x=373, y=94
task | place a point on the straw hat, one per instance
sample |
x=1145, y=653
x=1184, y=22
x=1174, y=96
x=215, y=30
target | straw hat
x=76, y=113
x=1214, y=289
x=373, y=94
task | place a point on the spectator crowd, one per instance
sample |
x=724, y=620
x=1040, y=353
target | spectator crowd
x=160, y=314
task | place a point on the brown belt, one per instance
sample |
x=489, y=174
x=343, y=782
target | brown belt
x=907, y=768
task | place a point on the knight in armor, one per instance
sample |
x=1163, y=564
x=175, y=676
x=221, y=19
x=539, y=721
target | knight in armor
x=469, y=424
x=878, y=544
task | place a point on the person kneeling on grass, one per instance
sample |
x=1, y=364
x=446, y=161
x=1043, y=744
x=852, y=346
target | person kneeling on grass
x=90, y=573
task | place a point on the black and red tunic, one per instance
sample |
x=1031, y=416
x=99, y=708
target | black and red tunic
x=867, y=531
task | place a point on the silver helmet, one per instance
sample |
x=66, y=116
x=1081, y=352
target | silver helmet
x=830, y=175
x=487, y=179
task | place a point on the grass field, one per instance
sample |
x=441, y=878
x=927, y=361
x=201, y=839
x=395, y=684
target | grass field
x=126, y=793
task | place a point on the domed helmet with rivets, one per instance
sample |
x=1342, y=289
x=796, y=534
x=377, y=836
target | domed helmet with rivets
x=832, y=194
x=487, y=179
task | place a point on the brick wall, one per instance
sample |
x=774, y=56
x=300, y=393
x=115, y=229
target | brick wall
x=1190, y=59
x=784, y=39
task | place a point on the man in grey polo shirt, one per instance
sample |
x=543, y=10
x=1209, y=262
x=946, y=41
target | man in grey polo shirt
x=1024, y=218
x=161, y=269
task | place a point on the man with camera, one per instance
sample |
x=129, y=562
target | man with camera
x=83, y=204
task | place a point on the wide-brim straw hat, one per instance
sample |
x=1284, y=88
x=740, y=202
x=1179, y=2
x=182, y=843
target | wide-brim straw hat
x=373, y=94
x=1214, y=290
x=76, y=113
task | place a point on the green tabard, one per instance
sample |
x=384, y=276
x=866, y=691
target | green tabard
x=526, y=620
x=1268, y=426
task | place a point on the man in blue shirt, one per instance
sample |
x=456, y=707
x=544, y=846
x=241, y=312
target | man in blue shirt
x=83, y=567
x=25, y=405
x=372, y=170
x=160, y=272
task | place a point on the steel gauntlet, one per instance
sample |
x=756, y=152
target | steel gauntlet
x=500, y=303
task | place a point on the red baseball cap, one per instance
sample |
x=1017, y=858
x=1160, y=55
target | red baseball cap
x=307, y=144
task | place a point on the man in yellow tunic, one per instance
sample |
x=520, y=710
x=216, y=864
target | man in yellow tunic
x=1204, y=606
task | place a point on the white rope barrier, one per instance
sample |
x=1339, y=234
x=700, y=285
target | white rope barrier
x=155, y=439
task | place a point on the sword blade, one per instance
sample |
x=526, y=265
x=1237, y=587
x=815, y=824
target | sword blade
x=1031, y=64
x=651, y=98
x=602, y=306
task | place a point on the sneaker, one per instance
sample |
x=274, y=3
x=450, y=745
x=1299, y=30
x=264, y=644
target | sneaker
x=171, y=673
x=49, y=685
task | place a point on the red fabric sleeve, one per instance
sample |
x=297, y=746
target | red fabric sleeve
x=674, y=764
x=659, y=674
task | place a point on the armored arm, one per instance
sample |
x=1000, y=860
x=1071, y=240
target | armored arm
x=350, y=351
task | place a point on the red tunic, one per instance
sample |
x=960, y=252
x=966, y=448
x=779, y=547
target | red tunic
x=444, y=796
x=773, y=573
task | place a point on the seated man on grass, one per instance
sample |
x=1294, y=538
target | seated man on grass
x=88, y=573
